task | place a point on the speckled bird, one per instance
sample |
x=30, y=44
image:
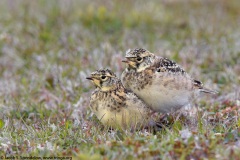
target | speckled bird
x=161, y=83
x=114, y=105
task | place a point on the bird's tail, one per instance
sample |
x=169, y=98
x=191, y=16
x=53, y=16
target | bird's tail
x=199, y=85
x=205, y=90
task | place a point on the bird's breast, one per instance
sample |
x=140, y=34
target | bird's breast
x=163, y=99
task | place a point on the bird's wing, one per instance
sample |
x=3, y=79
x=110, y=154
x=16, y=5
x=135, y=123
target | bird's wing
x=166, y=65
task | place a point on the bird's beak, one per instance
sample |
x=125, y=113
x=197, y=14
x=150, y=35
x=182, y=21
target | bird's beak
x=128, y=59
x=125, y=61
x=95, y=81
x=129, y=63
x=89, y=78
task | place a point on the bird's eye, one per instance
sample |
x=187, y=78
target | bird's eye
x=139, y=59
x=103, y=77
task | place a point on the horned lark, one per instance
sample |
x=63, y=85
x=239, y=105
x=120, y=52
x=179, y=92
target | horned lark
x=161, y=83
x=114, y=105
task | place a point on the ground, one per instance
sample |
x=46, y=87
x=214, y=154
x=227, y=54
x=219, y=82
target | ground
x=47, y=48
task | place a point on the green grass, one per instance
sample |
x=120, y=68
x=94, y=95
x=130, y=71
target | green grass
x=47, y=48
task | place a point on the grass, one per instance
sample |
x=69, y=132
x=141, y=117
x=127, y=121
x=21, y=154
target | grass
x=47, y=48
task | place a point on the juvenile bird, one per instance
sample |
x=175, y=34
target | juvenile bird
x=116, y=106
x=161, y=83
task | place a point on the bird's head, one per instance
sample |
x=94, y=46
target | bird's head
x=138, y=59
x=104, y=79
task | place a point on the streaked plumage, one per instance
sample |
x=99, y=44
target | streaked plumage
x=114, y=105
x=161, y=83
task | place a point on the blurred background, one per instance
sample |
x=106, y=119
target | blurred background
x=47, y=48
x=51, y=46
x=54, y=45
